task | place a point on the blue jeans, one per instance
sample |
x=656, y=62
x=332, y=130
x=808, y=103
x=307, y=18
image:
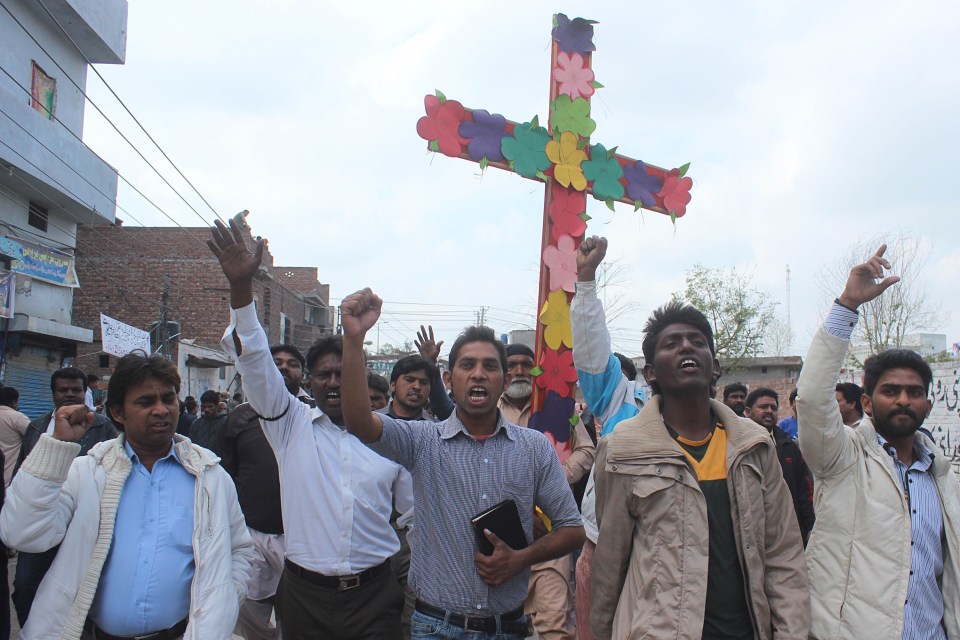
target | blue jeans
x=428, y=627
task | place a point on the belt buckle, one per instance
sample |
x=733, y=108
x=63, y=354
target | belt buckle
x=466, y=621
x=349, y=582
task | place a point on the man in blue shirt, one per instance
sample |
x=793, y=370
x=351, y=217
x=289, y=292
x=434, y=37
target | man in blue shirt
x=153, y=542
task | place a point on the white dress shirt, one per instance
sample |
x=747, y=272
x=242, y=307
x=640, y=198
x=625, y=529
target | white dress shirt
x=337, y=494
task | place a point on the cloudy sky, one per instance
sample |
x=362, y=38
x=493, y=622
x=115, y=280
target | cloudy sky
x=808, y=126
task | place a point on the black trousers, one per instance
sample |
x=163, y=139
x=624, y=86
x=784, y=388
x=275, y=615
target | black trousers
x=310, y=612
x=31, y=568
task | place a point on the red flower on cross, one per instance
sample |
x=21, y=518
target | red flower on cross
x=558, y=371
x=676, y=192
x=442, y=123
x=566, y=205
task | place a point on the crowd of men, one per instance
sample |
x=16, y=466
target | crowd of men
x=337, y=504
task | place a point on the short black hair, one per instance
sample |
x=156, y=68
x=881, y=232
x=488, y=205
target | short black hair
x=627, y=366
x=876, y=365
x=134, y=368
x=238, y=396
x=377, y=382
x=190, y=403
x=210, y=397
x=323, y=346
x=9, y=396
x=761, y=392
x=852, y=393
x=734, y=387
x=409, y=364
x=478, y=334
x=93, y=378
x=68, y=373
x=292, y=350
x=793, y=396
x=674, y=312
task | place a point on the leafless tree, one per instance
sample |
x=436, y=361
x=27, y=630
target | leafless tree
x=903, y=309
x=779, y=339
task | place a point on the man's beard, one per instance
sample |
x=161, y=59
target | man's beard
x=885, y=425
x=519, y=389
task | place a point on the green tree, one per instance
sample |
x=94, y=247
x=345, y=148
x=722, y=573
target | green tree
x=741, y=314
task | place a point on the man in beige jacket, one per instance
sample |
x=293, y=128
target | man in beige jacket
x=884, y=556
x=698, y=538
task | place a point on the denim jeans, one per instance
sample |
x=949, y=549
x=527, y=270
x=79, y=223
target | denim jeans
x=428, y=627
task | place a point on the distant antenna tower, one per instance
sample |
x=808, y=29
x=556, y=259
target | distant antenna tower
x=789, y=327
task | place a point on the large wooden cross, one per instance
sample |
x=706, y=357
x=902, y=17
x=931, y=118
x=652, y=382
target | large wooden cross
x=561, y=157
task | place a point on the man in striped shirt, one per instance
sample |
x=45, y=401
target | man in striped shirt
x=462, y=466
x=884, y=556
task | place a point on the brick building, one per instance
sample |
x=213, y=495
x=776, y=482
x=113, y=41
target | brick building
x=130, y=271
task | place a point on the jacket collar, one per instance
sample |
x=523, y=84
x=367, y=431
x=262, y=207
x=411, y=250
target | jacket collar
x=646, y=435
x=939, y=465
x=112, y=453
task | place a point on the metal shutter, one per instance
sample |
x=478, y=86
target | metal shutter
x=29, y=373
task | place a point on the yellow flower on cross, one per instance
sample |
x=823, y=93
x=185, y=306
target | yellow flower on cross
x=556, y=315
x=567, y=158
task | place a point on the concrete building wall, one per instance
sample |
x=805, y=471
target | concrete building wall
x=944, y=420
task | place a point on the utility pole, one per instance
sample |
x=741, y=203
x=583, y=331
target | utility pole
x=482, y=317
x=789, y=328
x=162, y=332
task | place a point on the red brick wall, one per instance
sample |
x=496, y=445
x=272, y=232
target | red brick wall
x=121, y=272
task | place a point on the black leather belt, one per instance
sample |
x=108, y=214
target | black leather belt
x=167, y=634
x=510, y=622
x=340, y=583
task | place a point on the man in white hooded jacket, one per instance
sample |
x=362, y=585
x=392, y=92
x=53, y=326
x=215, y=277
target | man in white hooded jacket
x=153, y=542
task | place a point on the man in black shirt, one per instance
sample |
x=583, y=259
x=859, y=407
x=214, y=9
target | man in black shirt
x=250, y=461
x=761, y=406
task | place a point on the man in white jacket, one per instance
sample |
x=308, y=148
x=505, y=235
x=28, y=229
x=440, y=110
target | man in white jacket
x=153, y=542
x=884, y=555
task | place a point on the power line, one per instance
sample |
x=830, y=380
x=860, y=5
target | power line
x=119, y=175
x=100, y=111
x=130, y=113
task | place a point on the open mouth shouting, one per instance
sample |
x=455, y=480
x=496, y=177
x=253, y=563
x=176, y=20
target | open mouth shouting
x=689, y=364
x=332, y=398
x=477, y=395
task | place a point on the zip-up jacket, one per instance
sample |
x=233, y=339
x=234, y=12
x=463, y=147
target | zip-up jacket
x=650, y=564
x=59, y=498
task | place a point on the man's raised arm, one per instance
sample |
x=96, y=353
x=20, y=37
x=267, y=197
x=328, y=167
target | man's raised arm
x=244, y=340
x=605, y=389
x=823, y=437
x=358, y=313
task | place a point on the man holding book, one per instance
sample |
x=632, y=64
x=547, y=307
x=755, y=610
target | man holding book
x=463, y=467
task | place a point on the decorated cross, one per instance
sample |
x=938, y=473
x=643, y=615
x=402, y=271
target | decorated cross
x=562, y=157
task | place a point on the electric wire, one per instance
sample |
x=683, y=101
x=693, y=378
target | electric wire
x=100, y=111
x=130, y=113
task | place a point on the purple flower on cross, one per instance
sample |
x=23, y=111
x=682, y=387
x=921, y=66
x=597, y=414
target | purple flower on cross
x=554, y=419
x=641, y=185
x=484, y=134
x=574, y=36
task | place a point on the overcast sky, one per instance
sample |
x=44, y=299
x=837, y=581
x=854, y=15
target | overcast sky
x=808, y=125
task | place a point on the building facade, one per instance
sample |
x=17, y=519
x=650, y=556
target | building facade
x=164, y=280
x=49, y=180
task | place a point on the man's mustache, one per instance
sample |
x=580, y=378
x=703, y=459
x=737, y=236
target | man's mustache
x=903, y=411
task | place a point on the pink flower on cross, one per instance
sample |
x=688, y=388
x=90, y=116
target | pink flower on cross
x=562, y=262
x=573, y=76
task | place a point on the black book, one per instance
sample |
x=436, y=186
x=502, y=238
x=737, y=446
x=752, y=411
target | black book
x=503, y=520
